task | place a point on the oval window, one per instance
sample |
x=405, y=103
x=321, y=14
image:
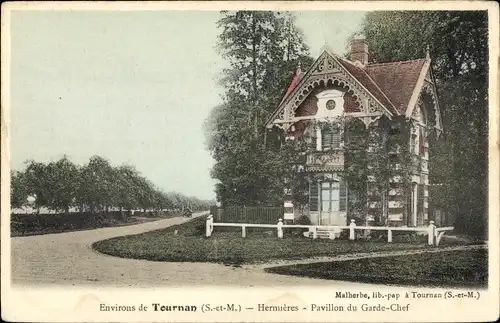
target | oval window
x=330, y=104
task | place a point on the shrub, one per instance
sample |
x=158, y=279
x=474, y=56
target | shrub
x=303, y=220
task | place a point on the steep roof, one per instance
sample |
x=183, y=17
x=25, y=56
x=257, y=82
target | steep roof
x=391, y=83
x=395, y=85
x=297, y=76
x=364, y=78
x=397, y=80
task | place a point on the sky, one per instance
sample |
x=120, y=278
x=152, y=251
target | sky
x=132, y=87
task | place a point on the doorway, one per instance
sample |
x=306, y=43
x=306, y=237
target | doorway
x=330, y=203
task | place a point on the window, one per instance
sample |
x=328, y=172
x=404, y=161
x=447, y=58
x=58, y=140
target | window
x=330, y=196
x=312, y=137
x=395, y=129
x=330, y=139
x=330, y=104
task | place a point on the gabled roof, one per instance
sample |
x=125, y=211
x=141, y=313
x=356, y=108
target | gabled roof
x=397, y=80
x=392, y=84
x=364, y=78
x=297, y=76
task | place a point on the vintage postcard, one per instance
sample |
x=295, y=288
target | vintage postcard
x=250, y=161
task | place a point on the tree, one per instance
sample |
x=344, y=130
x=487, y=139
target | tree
x=262, y=49
x=63, y=184
x=126, y=178
x=37, y=183
x=459, y=49
x=18, y=190
x=145, y=193
x=96, y=190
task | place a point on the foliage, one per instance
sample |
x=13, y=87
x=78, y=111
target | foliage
x=249, y=174
x=36, y=183
x=18, y=190
x=458, y=43
x=94, y=187
x=97, y=190
x=448, y=268
x=63, y=184
x=369, y=163
x=302, y=220
x=356, y=168
x=262, y=49
x=28, y=225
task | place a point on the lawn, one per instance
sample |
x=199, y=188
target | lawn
x=465, y=268
x=227, y=246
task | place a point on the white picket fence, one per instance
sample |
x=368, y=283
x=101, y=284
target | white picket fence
x=434, y=233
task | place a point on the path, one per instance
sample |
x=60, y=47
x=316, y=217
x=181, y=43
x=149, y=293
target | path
x=68, y=259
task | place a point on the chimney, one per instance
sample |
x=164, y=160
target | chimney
x=359, y=50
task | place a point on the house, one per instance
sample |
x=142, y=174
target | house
x=395, y=102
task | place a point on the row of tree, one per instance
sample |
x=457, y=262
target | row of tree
x=94, y=187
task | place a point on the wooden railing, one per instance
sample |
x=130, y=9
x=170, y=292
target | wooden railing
x=434, y=233
x=330, y=158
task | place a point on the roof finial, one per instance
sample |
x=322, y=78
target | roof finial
x=427, y=54
x=326, y=47
x=299, y=65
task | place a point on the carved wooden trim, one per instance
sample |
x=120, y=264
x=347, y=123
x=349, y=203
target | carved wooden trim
x=326, y=70
x=430, y=89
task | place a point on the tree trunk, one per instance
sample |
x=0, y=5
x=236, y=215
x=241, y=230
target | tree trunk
x=254, y=74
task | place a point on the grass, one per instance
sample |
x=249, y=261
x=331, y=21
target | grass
x=228, y=247
x=465, y=268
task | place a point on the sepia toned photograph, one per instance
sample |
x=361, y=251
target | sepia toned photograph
x=250, y=148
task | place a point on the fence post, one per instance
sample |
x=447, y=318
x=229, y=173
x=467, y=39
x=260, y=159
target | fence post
x=439, y=235
x=389, y=235
x=315, y=233
x=430, y=233
x=352, y=234
x=243, y=231
x=209, y=226
x=219, y=214
x=280, y=228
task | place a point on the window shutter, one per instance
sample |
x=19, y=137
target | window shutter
x=336, y=139
x=313, y=196
x=342, y=195
x=312, y=136
x=325, y=139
